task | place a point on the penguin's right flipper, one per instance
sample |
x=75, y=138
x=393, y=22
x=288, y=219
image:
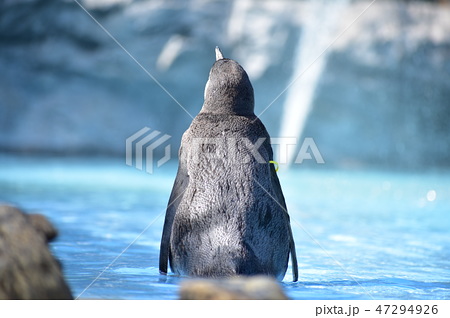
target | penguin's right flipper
x=179, y=187
x=293, y=255
x=282, y=203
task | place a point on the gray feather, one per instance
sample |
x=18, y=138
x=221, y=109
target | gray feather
x=227, y=214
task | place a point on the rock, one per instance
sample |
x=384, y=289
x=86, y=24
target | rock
x=255, y=287
x=382, y=100
x=43, y=226
x=27, y=268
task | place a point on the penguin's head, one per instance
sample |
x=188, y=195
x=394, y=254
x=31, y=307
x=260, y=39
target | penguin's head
x=228, y=90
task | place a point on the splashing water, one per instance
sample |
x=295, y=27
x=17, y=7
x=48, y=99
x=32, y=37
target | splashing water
x=317, y=35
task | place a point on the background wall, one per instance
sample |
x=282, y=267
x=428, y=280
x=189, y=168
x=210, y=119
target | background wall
x=382, y=98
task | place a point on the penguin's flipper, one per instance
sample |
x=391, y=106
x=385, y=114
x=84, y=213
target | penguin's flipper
x=293, y=256
x=179, y=187
x=282, y=203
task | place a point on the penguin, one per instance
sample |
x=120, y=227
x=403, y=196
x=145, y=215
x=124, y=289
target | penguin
x=226, y=214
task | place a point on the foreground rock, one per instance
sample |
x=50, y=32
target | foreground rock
x=256, y=287
x=27, y=268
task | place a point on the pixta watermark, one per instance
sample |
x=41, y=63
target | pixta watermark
x=141, y=147
x=142, y=144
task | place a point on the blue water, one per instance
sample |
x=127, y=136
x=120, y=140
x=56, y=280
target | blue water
x=359, y=235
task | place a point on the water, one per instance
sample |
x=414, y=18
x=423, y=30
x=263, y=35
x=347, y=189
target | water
x=359, y=235
x=317, y=36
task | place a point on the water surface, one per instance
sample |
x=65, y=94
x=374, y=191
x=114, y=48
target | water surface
x=359, y=235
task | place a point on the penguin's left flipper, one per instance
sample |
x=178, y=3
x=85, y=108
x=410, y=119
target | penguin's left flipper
x=179, y=187
x=282, y=203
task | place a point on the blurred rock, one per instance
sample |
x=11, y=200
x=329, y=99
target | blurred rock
x=43, y=226
x=27, y=268
x=384, y=97
x=255, y=287
x=67, y=87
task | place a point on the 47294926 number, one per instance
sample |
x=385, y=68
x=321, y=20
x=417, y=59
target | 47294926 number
x=403, y=309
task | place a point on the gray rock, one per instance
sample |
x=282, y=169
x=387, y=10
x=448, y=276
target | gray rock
x=383, y=98
x=27, y=268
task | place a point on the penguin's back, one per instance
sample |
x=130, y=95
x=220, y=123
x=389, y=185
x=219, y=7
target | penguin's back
x=229, y=216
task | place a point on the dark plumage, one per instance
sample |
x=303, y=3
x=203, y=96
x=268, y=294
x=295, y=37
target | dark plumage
x=226, y=213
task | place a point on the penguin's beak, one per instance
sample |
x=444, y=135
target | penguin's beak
x=219, y=55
